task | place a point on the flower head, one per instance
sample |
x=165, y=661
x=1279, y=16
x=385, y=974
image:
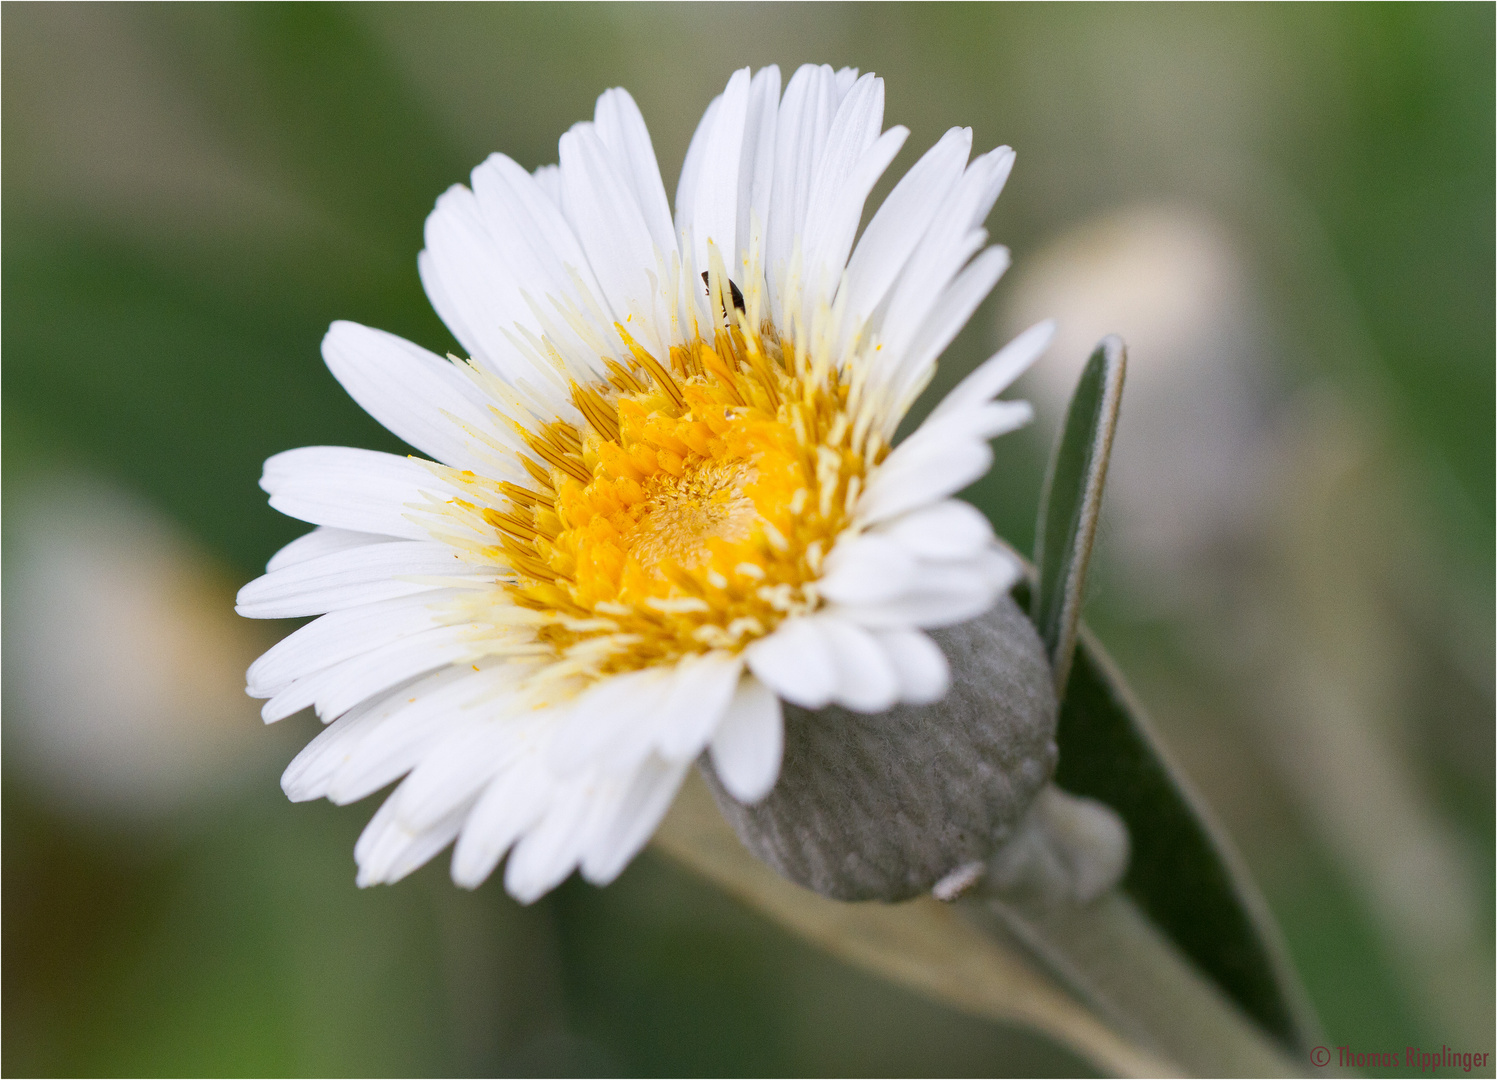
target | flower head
x=663, y=493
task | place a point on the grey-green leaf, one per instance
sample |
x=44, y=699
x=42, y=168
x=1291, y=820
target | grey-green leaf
x=1184, y=873
x=1072, y=499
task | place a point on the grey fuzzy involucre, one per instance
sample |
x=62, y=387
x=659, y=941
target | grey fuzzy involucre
x=881, y=807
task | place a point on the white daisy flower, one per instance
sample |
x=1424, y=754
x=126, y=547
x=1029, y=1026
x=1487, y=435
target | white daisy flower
x=661, y=495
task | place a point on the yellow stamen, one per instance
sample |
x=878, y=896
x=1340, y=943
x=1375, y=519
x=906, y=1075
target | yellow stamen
x=690, y=510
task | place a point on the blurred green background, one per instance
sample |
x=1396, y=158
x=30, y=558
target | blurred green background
x=1288, y=211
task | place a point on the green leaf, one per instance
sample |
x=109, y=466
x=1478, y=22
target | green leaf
x=1184, y=873
x=1072, y=499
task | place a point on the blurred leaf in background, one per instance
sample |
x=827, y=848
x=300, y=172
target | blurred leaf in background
x=1286, y=211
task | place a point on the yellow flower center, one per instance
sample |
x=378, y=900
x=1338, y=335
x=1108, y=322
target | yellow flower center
x=690, y=511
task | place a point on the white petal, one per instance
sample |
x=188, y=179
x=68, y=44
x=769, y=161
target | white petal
x=336, y=689
x=523, y=215
x=623, y=131
x=747, y=747
x=422, y=398
x=471, y=285
x=608, y=221
x=951, y=313
x=691, y=168
x=549, y=852
x=939, y=460
x=918, y=663
x=387, y=850
x=855, y=127
x=918, y=481
x=901, y=221
x=853, y=159
x=971, y=422
x=510, y=805
x=633, y=819
x=291, y=700
x=997, y=373
x=360, y=490
x=548, y=180
x=928, y=610
x=866, y=570
x=910, y=307
x=795, y=662
x=998, y=566
x=864, y=680
x=497, y=261
x=445, y=304
x=946, y=246
x=714, y=215
x=611, y=712
x=456, y=768
x=831, y=240
x=425, y=846
x=345, y=685
x=321, y=541
x=756, y=184
x=944, y=594
x=535, y=241
x=806, y=113
x=343, y=579
x=339, y=636
x=310, y=772
x=388, y=751
x=307, y=776
x=703, y=689
x=950, y=529
x=907, y=473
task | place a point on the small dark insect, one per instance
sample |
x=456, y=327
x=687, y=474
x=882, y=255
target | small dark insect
x=736, y=292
